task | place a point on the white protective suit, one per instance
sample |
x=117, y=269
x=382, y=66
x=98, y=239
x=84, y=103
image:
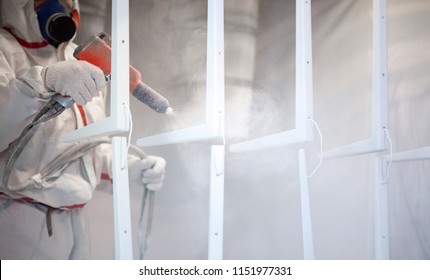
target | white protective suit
x=26, y=215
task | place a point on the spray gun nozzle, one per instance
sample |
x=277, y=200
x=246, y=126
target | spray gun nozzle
x=169, y=111
x=152, y=98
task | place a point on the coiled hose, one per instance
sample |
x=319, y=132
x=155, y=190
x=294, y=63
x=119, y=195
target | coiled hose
x=49, y=111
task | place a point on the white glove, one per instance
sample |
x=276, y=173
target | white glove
x=78, y=79
x=149, y=171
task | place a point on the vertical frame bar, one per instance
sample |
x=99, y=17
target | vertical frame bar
x=304, y=75
x=379, y=125
x=121, y=200
x=308, y=244
x=215, y=67
x=120, y=85
x=216, y=204
x=119, y=104
x=380, y=72
x=382, y=246
x=215, y=94
x=304, y=112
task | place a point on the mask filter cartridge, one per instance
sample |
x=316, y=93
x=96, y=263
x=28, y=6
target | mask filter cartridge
x=55, y=22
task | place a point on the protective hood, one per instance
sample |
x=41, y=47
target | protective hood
x=19, y=17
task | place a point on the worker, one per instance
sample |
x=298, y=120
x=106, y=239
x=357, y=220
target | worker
x=42, y=217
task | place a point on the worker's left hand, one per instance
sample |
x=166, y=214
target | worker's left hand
x=149, y=171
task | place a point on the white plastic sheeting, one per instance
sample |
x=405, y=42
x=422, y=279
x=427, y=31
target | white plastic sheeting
x=262, y=193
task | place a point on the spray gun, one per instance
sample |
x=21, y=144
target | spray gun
x=97, y=51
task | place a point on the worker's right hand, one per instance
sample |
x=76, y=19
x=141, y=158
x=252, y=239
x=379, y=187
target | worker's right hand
x=78, y=79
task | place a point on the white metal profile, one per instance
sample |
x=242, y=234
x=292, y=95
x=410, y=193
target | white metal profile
x=213, y=128
x=117, y=122
x=302, y=132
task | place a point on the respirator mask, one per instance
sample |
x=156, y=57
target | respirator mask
x=56, y=21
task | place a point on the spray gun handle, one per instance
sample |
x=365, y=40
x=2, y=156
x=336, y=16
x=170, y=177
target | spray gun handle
x=65, y=101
